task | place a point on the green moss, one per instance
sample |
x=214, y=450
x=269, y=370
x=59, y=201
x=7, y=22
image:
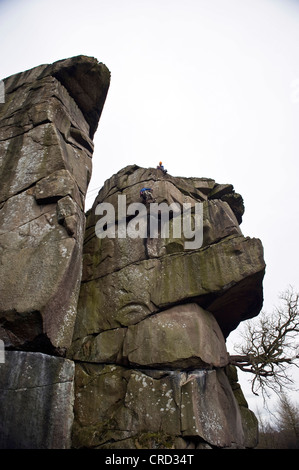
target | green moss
x=155, y=440
x=232, y=374
x=174, y=246
x=91, y=436
x=250, y=427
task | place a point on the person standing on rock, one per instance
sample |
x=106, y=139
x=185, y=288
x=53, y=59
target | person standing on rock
x=161, y=167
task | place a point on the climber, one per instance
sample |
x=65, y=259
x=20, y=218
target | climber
x=161, y=167
x=146, y=195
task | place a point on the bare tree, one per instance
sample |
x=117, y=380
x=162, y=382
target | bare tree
x=283, y=433
x=288, y=421
x=268, y=434
x=270, y=346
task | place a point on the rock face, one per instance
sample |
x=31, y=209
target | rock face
x=149, y=338
x=113, y=342
x=36, y=401
x=47, y=121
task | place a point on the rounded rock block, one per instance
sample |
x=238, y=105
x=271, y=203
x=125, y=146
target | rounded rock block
x=182, y=336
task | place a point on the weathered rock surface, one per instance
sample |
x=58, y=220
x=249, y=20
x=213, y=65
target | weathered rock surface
x=183, y=336
x=142, y=321
x=48, y=120
x=152, y=321
x=249, y=420
x=47, y=124
x=36, y=401
x=117, y=407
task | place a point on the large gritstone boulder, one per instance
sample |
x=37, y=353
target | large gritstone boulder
x=48, y=121
x=153, y=315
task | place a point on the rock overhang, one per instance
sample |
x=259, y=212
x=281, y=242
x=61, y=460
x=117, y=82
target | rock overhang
x=86, y=80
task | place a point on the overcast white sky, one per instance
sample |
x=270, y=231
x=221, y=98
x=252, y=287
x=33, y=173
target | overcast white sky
x=210, y=87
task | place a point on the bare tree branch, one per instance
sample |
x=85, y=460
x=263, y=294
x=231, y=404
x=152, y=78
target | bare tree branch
x=270, y=346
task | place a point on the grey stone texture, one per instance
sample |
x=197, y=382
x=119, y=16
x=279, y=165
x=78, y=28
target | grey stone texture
x=112, y=343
